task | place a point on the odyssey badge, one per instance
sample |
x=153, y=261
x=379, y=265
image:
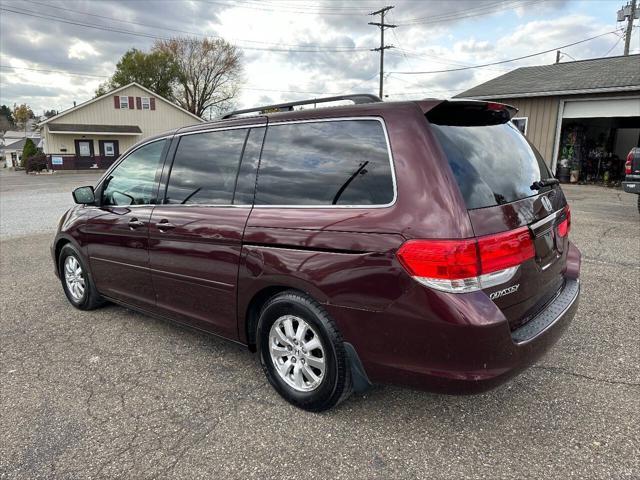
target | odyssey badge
x=504, y=291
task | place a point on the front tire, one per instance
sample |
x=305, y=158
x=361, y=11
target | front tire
x=302, y=352
x=76, y=281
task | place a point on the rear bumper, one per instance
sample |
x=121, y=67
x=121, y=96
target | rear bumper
x=563, y=306
x=463, y=344
x=631, y=187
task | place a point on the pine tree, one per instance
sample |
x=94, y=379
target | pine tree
x=29, y=150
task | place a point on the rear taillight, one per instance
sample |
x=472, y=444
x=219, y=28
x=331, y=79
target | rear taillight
x=627, y=164
x=467, y=265
x=565, y=225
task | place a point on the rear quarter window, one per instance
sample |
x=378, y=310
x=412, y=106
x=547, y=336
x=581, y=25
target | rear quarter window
x=341, y=162
x=492, y=164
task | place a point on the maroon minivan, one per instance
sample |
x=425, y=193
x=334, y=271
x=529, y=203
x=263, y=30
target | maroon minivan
x=417, y=243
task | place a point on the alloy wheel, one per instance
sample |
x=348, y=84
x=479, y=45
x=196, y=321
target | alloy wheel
x=297, y=353
x=74, y=278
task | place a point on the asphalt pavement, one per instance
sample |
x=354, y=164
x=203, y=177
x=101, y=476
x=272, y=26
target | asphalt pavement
x=114, y=394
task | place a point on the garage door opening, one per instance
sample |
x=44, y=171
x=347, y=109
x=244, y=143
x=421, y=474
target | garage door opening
x=593, y=150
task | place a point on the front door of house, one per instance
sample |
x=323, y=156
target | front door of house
x=84, y=148
x=109, y=149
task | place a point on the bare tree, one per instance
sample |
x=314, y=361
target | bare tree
x=209, y=72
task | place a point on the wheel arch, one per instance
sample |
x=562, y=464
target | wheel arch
x=59, y=245
x=63, y=240
x=252, y=313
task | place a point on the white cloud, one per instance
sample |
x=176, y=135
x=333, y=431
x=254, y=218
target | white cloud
x=80, y=49
x=272, y=76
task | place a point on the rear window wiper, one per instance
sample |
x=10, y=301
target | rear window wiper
x=545, y=182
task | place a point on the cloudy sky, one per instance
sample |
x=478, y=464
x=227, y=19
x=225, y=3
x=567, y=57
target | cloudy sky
x=57, y=51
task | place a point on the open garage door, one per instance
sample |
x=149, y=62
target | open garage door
x=595, y=138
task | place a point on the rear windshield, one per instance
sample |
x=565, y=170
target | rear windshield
x=493, y=164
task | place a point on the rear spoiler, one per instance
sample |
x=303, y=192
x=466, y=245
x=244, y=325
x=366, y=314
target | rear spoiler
x=470, y=113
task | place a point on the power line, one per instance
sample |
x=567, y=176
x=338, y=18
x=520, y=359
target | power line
x=88, y=75
x=297, y=5
x=305, y=11
x=451, y=14
x=436, y=59
x=511, y=59
x=159, y=27
x=612, y=47
x=357, y=85
x=44, y=70
x=30, y=13
x=487, y=9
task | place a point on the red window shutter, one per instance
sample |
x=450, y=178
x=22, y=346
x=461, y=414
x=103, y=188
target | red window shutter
x=152, y=103
x=131, y=106
x=139, y=103
x=116, y=101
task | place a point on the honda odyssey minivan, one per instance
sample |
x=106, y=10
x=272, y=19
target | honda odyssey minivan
x=418, y=243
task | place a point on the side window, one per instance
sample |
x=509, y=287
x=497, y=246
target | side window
x=205, y=168
x=133, y=182
x=342, y=162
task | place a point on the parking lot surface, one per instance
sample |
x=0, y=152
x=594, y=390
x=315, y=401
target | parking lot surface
x=34, y=203
x=114, y=394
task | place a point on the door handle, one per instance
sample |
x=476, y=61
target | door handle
x=164, y=225
x=135, y=223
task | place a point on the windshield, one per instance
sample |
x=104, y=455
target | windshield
x=493, y=164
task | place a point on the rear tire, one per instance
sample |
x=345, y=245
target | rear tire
x=302, y=352
x=76, y=281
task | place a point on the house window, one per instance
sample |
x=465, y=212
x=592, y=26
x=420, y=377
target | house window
x=521, y=124
x=146, y=103
x=124, y=102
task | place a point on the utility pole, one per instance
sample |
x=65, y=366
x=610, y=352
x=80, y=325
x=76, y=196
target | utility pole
x=630, y=12
x=557, y=56
x=383, y=47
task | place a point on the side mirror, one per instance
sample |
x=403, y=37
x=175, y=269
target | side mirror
x=84, y=195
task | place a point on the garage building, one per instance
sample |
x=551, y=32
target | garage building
x=582, y=116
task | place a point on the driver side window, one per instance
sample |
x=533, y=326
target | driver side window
x=133, y=181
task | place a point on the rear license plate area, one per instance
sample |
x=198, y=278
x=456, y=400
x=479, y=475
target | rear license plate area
x=545, y=242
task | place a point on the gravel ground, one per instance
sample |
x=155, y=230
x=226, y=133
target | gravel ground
x=34, y=203
x=114, y=394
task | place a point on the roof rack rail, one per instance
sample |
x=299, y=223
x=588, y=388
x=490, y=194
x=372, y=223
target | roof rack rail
x=288, y=106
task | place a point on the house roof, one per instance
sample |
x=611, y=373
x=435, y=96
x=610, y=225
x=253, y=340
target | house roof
x=83, y=128
x=613, y=74
x=17, y=134
x=136, y=84
x=17, y=145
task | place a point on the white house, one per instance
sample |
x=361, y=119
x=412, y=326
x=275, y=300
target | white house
x=95, y=133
